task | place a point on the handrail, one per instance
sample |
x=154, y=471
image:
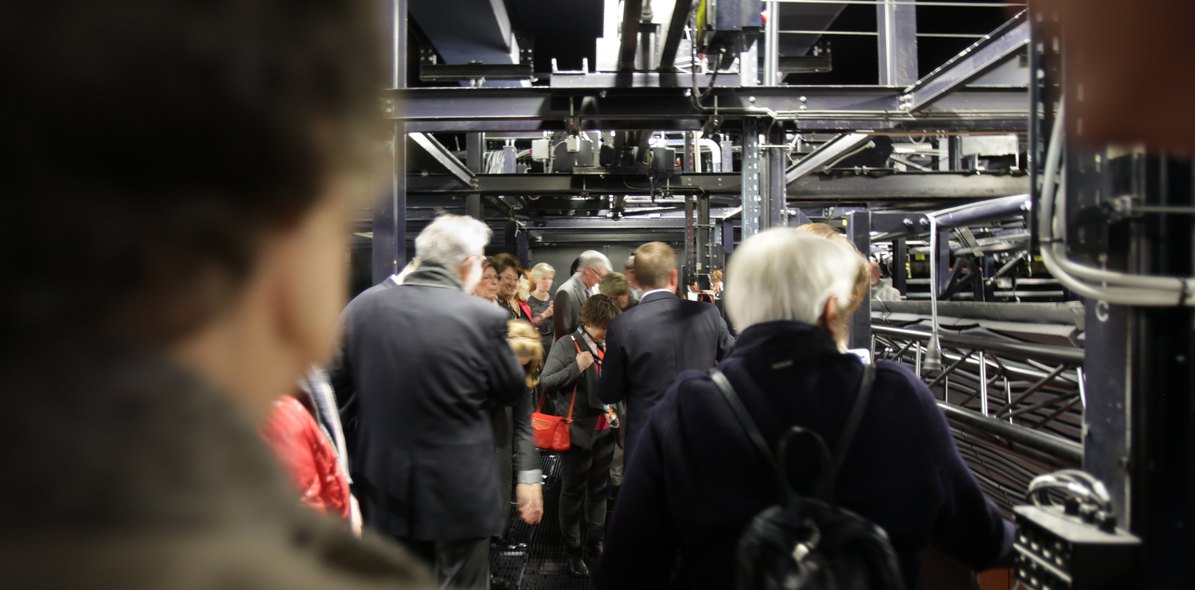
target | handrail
x=1044, y=443
x=1042, y=352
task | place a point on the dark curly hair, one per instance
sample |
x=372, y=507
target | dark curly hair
x=598, y=311
x=150, y=145
x=503, y=261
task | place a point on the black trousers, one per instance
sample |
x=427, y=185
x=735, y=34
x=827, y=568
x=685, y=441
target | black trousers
x=585, y=476
x=459, y=565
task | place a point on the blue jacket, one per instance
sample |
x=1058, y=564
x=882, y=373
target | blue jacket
x=695, y=480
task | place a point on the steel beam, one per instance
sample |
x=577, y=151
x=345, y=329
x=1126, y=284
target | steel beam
x=827, y=155
x=896, y=23
x=771, y=46
x=775, y=198
x=676, y=30
x=751, y=180
x=389, y=250
x=895, y=188
x=631, y=11
x=812, y=108
x=974, y=61
x=454, y=166
x=858, y=231
x=475, y=154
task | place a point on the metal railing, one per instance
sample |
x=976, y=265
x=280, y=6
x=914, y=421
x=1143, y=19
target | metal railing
x=1015, y=408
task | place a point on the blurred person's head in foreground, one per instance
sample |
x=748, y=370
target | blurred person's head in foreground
x=184, y=170
x=487, y=281
x=529, y=348
x=785, y=274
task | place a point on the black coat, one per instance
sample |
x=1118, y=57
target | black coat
x=427, y=362
x=560, y=376
x=650, y=344
x=695, y=480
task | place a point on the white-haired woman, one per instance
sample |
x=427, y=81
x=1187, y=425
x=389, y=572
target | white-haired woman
x=696, y=480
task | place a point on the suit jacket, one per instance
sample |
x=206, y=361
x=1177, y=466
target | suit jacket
x=131, y=473
x=696, y=479
x=560, y=375
x=427, y=361
x=512, y=433
x=566, y=314
x=649, y=345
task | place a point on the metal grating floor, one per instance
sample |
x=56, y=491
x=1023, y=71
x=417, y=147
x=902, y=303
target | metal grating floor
x=538, y=564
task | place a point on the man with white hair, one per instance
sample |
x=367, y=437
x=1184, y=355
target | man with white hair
x=591, y=267
x=697, y=479
x=426, y=360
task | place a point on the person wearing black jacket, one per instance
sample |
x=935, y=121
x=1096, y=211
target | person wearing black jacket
x=571, y=373
x=696, y=479
x=427, y=361
x=655, y=341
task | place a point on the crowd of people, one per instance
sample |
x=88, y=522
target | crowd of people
x=174, y=427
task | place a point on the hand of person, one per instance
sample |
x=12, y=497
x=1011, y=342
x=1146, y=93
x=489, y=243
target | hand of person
x=530, y=499
x=548, y=312
x=355, y=520
x=584, y=361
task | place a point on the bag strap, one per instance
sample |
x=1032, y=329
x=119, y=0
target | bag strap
x=853, y=419
x=850, y=428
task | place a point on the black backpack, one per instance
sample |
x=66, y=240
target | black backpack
x=806, y=542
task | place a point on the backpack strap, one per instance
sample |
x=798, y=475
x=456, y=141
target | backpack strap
x=849, y=429
x=744, y=417
x=853, y=419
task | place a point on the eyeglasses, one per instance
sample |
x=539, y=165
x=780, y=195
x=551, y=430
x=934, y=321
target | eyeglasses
x=510, y=278
x=489, y=277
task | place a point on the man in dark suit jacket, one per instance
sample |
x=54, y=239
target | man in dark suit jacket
x=566, y=316
x=427, y=361
x=652, y=343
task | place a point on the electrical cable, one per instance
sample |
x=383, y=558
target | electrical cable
x=1130, y=289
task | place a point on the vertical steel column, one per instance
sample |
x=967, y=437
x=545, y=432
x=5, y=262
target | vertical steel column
x=389, y=250
x=900, y=266
x=775, y=206
x=752, y=222
x=509, y=159
x=896, y=23
x=510, y=232
x=704, y=242
x=943, y=269
x=727, y=236
x=691, y=256
x=727, y=149
x=858, y=231
x=523, y=247
x=771, y=56
x=475, y=160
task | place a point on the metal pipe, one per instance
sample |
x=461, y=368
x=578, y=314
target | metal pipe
x=1044, y=443
x=771, y=59
x=980, y=211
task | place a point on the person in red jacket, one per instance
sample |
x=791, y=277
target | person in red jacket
x=306, y=454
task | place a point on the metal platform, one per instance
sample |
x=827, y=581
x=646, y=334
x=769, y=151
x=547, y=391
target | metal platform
x=538, y=563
